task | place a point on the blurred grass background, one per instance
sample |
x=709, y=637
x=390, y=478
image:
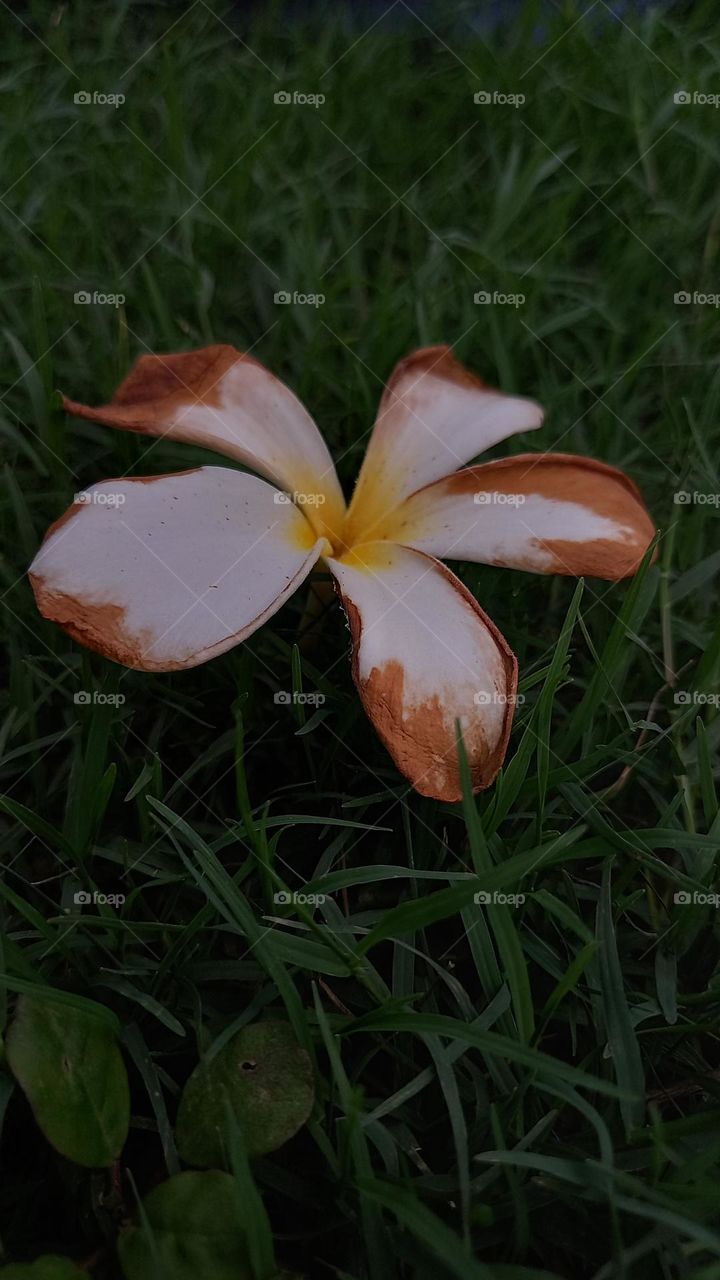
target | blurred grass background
x=398, y=198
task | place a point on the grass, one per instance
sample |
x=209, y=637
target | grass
x=523, y=1091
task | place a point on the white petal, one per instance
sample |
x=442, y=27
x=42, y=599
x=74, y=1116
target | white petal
x=433, y=418
x=223, y=400
x=167, y=571
x=424, y=656
x=546, y=513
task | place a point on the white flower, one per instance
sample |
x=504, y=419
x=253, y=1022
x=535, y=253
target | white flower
x=178, y=568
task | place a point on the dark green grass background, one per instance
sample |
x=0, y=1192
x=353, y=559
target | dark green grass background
x=431, y=1151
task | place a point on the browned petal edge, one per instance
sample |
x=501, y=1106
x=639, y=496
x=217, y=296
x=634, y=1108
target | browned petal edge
x=384, y=686
x=438, y=360
x=100, y=627
x=602, y=558
x=159, y=384
x=96, y=626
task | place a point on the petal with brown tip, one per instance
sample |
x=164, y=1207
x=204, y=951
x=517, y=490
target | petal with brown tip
x=425, y=656
x=169, y=571
x=546, y=513
x=434, y=417
x=223, y=400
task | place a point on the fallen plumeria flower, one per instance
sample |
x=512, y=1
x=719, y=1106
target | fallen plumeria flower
x=164, y=572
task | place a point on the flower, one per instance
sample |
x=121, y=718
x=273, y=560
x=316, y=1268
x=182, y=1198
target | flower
x=164, y=572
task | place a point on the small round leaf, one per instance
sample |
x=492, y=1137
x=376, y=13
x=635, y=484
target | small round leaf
x=49, y=1267
x=265, y=1076
x=189, y=1230
x=70, y=1068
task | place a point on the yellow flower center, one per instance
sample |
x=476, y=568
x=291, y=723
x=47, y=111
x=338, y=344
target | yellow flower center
x=349, y=534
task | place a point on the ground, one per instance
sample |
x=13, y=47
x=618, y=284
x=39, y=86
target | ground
x=522, y=1088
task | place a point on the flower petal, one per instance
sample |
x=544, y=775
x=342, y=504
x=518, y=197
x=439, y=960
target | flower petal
x=424, y=656
x=434, y=417
x=223, y=400
x=167, y=571
x=546, y=513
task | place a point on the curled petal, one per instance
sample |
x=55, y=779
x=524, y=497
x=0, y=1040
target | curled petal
x=434, y=417
x=223, y=400
x=546, y=513
x=425, y=656
x=168, y=571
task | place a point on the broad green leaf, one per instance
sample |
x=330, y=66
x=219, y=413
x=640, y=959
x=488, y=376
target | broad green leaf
x=70, y=1068
x=49, y=1267
x=189, y=1228
x=265, y=1076
x=61, y=1000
